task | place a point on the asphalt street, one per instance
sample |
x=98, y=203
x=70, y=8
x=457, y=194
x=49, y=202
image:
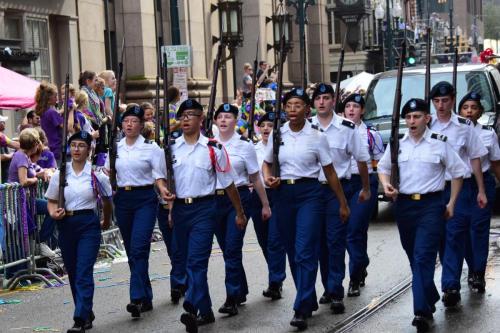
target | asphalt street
x=50, y=310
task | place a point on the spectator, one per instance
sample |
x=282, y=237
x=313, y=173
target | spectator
x=33, y=118
x=82, y=100
x=173, y=97
x=148, y=131
x=247, y=80
x=149, y=111
x=46, y=159
x=108, y=97
x=5, y=154
x=72, y=93
x=88, y=82
x=51, y=121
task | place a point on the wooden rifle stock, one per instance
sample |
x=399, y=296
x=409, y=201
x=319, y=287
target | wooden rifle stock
x=166, y=136
x=251, y=114
x=61, y=202
x=213, y=93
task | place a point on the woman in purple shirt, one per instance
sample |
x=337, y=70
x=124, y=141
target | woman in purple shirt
x=51, y=120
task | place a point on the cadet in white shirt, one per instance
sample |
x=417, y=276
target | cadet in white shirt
x=78, y=224
x=424, y=158
x=345, y=143
x=361, y=211
x=199, y=164
x=245, y=168
x=140, y=165
x=304, y=151
x=465, y=141
x=477, y=248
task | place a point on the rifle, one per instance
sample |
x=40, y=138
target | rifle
x=454, y=78
x=114, y=124
x=166, y=136
x=252, y=98
x=428, y=68
x=339, y=73
x=213, y=92
x=277, y=118
x=61, y=202
x=158, y=71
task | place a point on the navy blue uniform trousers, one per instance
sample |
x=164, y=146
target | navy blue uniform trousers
x=478, y=243
x=135, y=213
x=297, y=214
x=178, y=276
x=333, y=241
x=357, y=228
x=230, y=240
x=79, y=240
x=194, y=228
x=261, y=227
x=421, y=227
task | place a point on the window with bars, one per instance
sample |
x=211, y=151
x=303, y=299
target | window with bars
x=37, y=40
x=333, y=29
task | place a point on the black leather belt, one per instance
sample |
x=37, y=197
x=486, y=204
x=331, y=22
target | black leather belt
x=79, y=212
x=190, y=201
x=420, y=196
x=342, y=181
x=297, y=181
x=136, y=188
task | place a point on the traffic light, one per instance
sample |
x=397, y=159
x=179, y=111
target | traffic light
x=411, y=60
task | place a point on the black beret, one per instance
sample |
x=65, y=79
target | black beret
x=133, y=110
x=321, y=89
x=441, y=89
x=226, y=108
x=413, y=105
x=188, y=104
x=356, y=98
x=269, y=116
x=297, y=93
x=471, y=96
x=81, y=136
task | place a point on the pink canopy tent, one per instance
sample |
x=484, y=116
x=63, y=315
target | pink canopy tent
x=16, y=91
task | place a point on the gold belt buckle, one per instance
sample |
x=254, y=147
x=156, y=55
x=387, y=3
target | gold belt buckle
x=290, y=181
x=188, y=201
x=69, y=213
x=220, y=192
x=165, y=207
x=128, y=188
x=415, y=196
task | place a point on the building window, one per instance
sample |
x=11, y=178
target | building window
x=38, y=41
x=13, y=28
x=333, y=28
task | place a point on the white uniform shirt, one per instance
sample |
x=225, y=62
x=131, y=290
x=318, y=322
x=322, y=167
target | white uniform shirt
x=423, y=164
x=301, y=153
x=260, y=150
x=490, y=140
x=194, y=174
x=140, y=164
x=372, y=143
x=79, y=193
x=462, y=137
x=345, y=143
x=242, y=157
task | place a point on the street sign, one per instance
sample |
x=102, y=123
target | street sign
x=177, y=55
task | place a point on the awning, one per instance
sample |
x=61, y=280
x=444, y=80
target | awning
x=16, y=91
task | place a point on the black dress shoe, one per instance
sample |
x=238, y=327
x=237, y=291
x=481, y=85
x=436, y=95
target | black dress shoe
x=175, y=295
x=422, y=323
x=299, y=321
x=325, y=298
x=78, y=327
x=337, y=306
x=273, y=291
x=479, y=282
x=451, y=297
x=190, y=321
x=205, y=319
x=470, y=278
x=363, y=278
x=146, y=306
x=88, y=323
x=230, y=307
x=241, y=300
x=134, y=309
x=353, y=289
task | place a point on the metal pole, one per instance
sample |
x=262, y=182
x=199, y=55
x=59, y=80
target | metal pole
x=390, y=55
x=233, y=52
x=302, y=40
x=381, y=42
x=451, y=26
x=108, y=34
x=174, y=23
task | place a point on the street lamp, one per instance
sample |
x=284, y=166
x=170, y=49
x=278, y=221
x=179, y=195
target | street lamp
x=282, y=20
x=379, y=16
x=397, y=12
x=458, y=33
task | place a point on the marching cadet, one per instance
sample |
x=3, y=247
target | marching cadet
x=243, y=160
x=471, y=108
x=79, y=226
x=345, y=143
x=267, y=233
x=361, y=211
x=140, y=165
x=465, y=141
x=419, y=206
x=297, y=199
x=199, y=163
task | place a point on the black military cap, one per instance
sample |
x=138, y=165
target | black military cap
x=356, y=98
x=269, y=116
x=470, y=96
x=321, y=89
x=133, y=110
x=227, y=108
x=81, y=136
x=441, y=89
x=413, y=105
x=297, y=93
x=188, y=104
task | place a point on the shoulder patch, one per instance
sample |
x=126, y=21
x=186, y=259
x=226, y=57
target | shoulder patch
x=439, y=137
x=214, y=143
x=244, y=138
x=316, y=127
x=348, y=123
x=487, y=127
x=463, y=120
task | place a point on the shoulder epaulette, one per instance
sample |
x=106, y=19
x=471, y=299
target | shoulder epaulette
x=214, y=143
x=175, y=134
x=310, y=120
x=463, y=120
x=316, y=127
x=148, y=141
x=438, y=136
x=243, y=138
x=371, y=128
x=348, y=123
x=487, y=127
